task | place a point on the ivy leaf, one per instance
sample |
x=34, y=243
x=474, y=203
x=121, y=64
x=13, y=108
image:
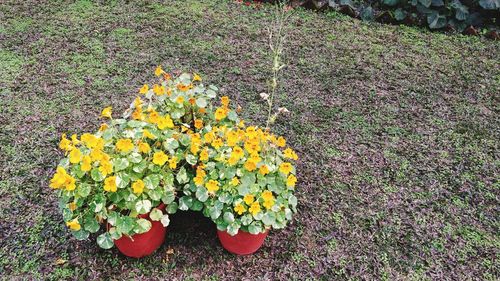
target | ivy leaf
x=254, y=229
x=268, y=219
x=201, y=102
x=366, y=14
x=191, y=159
x=91, y=225
x=122, y=180
x=168, y=197
x=437, y=3
x=461, y=11
x=390, y=2
x=143, y=206
x=425, y=3
x=489, y=4
x=134, y=157
x=435, y=20
x=114, y=233
x=232, y=229
x=104, y=241
x=125, y=224
x=197, y=205
x=139, y=168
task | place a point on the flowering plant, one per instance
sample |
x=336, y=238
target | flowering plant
x=243, y=176
x=131, y=166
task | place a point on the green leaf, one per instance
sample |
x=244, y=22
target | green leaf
x=168, y=197
x=96, y=175
x=201, y=102
x=122, y=180
x=171, y=144
x=139, y=168
x=185, y=203
x=232, y=115
x=156, y=214
x=211, y=94
x=246, y=219
x=268, y=218
x=201, y=194
x=142, y=226
x=125, y=224
x=81, y=234
x=143, y=206
x=91, y=224
x=134, y=157
x=172, y=208
x=114, y=233
x=165, y=220
x=104, y=241
x=152, y=181
x=120, y=164
x=461, y=11
x=84, y=189
x=182, y=176
x=232, y=229
x=254, y=229
x=191, y=159
x=228, y=217
x=214, y=213
x=197, y=205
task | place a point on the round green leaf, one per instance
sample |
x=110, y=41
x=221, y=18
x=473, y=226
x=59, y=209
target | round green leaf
x=104, y=241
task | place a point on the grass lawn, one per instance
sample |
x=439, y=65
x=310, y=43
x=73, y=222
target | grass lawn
x=397, y=130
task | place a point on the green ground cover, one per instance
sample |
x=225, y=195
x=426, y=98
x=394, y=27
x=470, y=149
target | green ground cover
x=397, y=131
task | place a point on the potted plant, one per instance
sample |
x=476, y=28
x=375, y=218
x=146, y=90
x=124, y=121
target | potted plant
x=243, y=177
x=125, y=176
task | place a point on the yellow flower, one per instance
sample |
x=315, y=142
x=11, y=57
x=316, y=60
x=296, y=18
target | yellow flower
x=144, y=89
x=172, y=162
x=220, y=114
x=268, y=204
x=250, y=165
x=72, y=206
x=281, y=142
x=196, y=77
x=138, y=187
x=240, y=209
x=212, y=185
x=158, y=71
x=165, y=122
x=249, y=198
x=285, y=168
x=74, y=225
x=198, y=180
x=264, y=170
x=241, y=124
x=291, y=180
x=75, y=156
x=204, y=155
x=198, y=123
x=225, y=101
x=184, y=88
x=180, y=99
x=90, y=140
x=124, y=145
x=159, y=90
x=137, y=114
x=103, y=127
x=232, y=138
x=96, y=155
x=154, y=117
x=106, y=167
x=233, y=160
x=159, y=158
x=110, y=184
x=237, y=152
x=59, y=178
x=289, y=153
x=217, y=143
x=86, y=163
x=234, y=181
x=106, y=112
x=254, y=208
x=251, y=132
x=267, y=195
x=144, y=147
x=70, y=183
x=65, y=144
x=148, y=134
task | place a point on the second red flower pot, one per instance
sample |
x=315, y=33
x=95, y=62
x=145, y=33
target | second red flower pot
x=144, y=244
x=243, y=243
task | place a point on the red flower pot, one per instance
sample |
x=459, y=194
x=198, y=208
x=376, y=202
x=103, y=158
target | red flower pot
x=144, y=244
x=243, y=243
